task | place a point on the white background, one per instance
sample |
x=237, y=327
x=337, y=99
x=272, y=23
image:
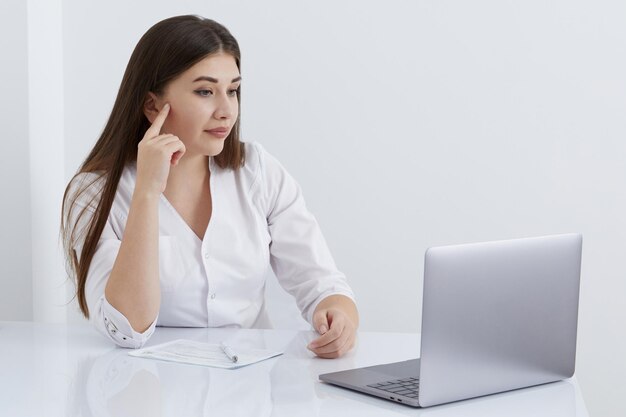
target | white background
x=408, y=124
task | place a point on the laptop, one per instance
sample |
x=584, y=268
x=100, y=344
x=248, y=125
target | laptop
x=497, y=316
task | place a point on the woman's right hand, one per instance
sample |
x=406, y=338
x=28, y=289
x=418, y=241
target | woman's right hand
x=155, y=154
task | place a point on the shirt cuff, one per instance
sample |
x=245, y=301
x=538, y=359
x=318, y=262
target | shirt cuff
x=119, y=329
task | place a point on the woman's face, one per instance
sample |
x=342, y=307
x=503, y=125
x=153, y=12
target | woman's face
x=201, y=99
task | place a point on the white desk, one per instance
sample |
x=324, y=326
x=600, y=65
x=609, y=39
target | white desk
x=58, y=370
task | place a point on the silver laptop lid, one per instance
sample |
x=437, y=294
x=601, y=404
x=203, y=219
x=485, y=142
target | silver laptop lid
x=498, y=316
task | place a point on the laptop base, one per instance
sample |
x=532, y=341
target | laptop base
x=361, y=379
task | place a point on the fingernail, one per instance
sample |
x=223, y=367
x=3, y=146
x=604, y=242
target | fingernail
x=323, y=329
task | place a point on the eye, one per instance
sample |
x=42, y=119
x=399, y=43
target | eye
x=233, y=92
x=201, y=93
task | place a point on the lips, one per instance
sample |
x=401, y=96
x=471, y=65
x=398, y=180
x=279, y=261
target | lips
x=220, y=132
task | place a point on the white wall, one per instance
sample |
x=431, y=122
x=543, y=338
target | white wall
x=413, y=124
x=46, y=157
x=15, y=254
x=32, y=282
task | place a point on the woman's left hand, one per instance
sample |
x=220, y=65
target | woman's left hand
x=338, y=333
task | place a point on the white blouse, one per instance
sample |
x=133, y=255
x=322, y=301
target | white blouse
x=258, y=219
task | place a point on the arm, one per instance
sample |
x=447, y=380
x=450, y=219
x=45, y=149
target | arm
x=133, y=287
x=85, y=189
x=301, y=258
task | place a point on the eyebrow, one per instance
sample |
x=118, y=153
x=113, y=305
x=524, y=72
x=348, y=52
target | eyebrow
x=214, y=80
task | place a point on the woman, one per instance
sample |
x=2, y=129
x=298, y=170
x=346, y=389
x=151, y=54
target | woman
x=172, y=221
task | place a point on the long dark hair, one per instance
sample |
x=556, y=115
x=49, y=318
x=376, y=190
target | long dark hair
x=166, y=50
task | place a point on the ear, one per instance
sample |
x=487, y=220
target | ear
x=151, y=106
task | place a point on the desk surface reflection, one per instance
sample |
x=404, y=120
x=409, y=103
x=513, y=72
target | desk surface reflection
x=70, y=370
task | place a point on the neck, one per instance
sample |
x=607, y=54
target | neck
x=189, y=172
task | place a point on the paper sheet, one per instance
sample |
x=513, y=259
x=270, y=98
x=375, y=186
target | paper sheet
x=204, y=354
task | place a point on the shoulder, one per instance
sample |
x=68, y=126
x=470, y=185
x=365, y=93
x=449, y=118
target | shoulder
x=85, y=187
x=260, y=163
x=254, y=155
x=272, y=182
x=88, y=179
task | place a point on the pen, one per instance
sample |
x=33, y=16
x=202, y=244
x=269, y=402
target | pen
x=229, y=352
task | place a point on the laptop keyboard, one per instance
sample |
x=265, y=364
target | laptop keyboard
x=409, y=387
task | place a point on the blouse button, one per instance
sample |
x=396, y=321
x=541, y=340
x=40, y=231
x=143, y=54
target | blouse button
x=213, y=296
x=206, y=255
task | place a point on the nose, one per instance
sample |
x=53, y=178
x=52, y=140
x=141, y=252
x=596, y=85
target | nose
x=226, y=107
